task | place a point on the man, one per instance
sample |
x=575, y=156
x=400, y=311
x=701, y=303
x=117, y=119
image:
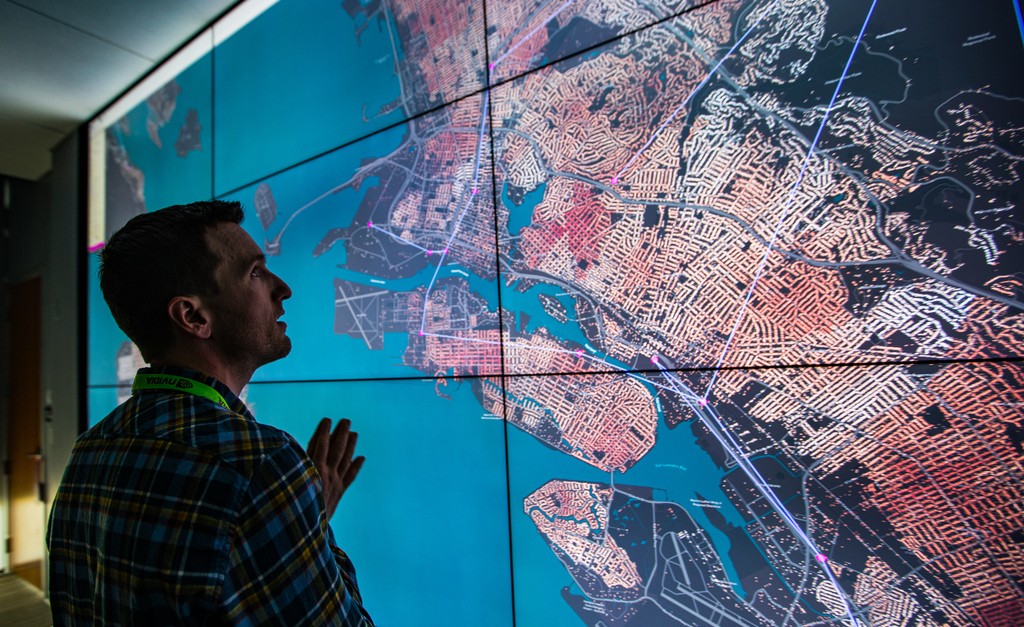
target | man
x=178, y=507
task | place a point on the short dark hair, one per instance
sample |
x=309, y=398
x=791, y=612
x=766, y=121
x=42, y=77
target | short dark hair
x=155, y=257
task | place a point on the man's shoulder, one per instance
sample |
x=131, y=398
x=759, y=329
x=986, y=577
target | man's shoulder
x=235, y=439
x=231, y=438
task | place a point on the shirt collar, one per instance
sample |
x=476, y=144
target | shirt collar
x=234, y=403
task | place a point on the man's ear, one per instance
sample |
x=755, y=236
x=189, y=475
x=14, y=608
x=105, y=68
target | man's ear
x=188, y=314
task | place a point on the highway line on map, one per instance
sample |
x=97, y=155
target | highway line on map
x=374, y=227
x=1020, y=19
x=617, y=177
x=789, y=201
x=533, y=32
x=474, y=189
x=480, y=142
x=440, y=262
x=822, y=560
x=733, y=448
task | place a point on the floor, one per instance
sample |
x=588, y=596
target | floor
x=24, y=605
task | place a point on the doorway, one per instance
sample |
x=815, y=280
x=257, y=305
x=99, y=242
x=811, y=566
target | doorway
x=26, y=509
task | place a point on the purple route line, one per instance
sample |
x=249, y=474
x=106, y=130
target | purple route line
x=618, y=175
x=1020, y=19
x=789, y=200
x=473, y=192
x=729, y=444
x=746, y=301
x=374, y=227
x=440, y=262
x=495, y=63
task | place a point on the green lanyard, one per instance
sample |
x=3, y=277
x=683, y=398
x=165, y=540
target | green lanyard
x=175, y=383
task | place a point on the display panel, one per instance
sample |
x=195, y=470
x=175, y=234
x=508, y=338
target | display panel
x=390, y=243
x=742, y=288
x=433, y=487
x=524, y=36
x=159, y=152
x=306, y=77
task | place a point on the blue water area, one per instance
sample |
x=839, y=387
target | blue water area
x=528, y=303
x=539, y=575
x=169, y=178
x=317, y=352
x=426, y=522
x=520, y=217
x=676, y=468
x=295, y=83
x=105, y=338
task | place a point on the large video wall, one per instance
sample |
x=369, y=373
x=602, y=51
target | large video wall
x=647, y=312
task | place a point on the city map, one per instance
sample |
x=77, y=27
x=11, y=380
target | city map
x=733, y=291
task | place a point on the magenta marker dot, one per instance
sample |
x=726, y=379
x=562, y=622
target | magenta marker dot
x=579, y=352
x=654, y=359
x=370, y=224
x=475, y=190
x=615, y=180
x=446, y=251
x=703, y=402
x=430, y=252
x=821, y=558
x=421, y=333
x=491, y=66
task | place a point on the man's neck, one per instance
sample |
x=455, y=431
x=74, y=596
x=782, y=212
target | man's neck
x=234, y=378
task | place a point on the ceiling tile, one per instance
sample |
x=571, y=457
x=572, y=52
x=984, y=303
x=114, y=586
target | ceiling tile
x=55, y=76
x=150, y=28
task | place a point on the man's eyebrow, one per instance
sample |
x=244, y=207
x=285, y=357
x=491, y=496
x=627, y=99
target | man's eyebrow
x=252, y=259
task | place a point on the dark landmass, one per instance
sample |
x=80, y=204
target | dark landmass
x=553, y=307
x=125, y=194
x=266, y=206
x=189, y=134
x=568, y=40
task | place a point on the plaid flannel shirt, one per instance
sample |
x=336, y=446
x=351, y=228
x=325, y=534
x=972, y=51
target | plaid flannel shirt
x=175, y=510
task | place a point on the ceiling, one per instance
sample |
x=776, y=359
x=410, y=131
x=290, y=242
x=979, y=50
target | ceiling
x=62, y=61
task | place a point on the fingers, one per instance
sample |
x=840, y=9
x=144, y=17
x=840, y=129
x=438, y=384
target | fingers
x=352, y=471
x=318, y=444
x=343, y=444
x=332, y=455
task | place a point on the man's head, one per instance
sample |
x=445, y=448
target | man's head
x=190, y=271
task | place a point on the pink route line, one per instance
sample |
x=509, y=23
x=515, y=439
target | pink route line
x=495, y=63
x=617, y=177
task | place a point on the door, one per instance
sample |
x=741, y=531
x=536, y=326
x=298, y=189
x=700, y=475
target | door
x=27, y=512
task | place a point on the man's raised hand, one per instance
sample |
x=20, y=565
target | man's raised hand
x=332, y=455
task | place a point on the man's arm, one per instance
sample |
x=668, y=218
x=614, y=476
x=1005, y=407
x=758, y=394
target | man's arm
x=282, y=565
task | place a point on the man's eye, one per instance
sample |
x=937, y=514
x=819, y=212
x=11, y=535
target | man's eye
x=257, y=271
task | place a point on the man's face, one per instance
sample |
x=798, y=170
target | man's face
x=245, y=313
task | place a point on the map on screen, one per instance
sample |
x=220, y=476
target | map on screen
x=719, y=303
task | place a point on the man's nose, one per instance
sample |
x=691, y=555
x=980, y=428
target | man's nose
x=282, y=290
